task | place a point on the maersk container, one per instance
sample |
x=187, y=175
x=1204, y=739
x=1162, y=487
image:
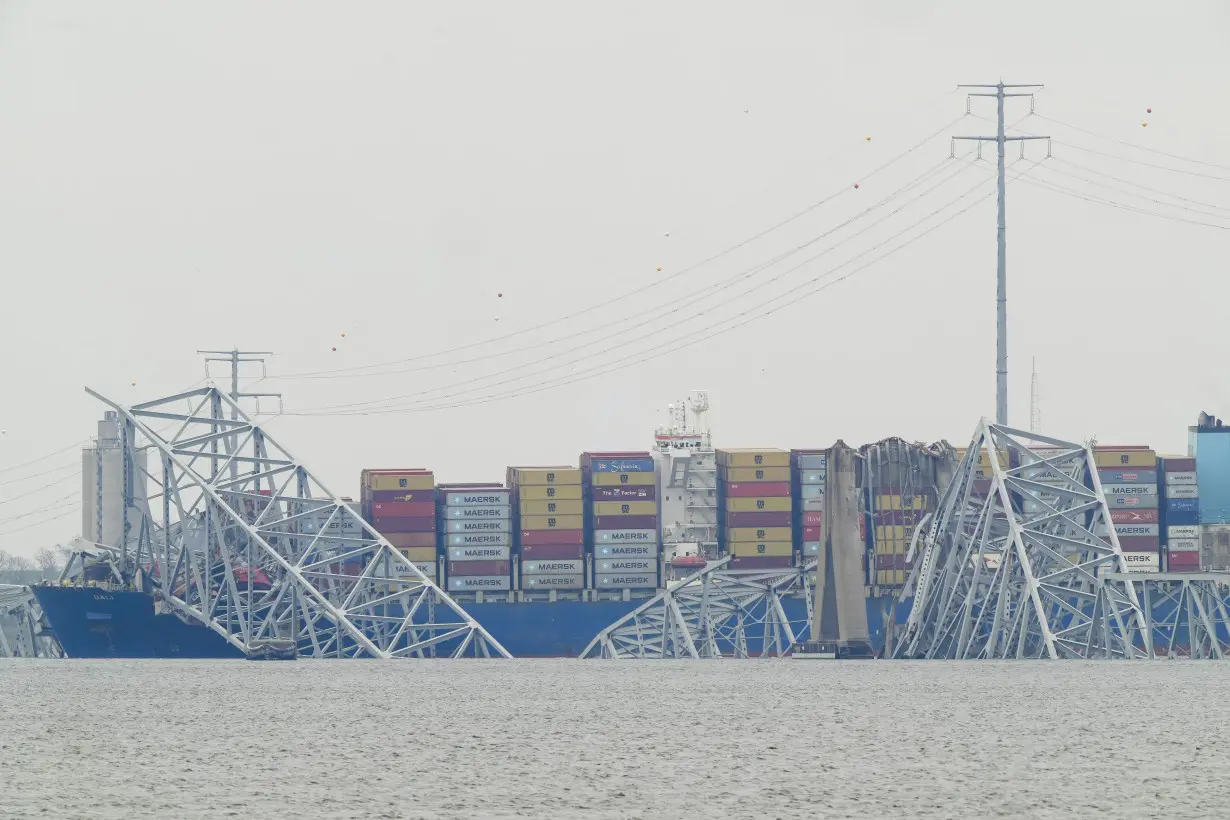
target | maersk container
x=1177, y=479
x=625, y=550
x=480, y=539
x=475, y=513
x=479, y=498
x=530, y=583
x=1180, y=531
x=475, y=527
x=811, y=547
x=1182, y=491
x=641, y=565
x=631, y=536
x=479, y=554
x=575, y=566
x=479, y=583
x=812, y=477
x=1142, y=561
x=809, y=491
x=479, y=568
x=627, y=580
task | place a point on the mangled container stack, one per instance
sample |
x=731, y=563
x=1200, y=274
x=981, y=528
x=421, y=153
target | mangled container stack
x=1179, y=508
x=475, y=523
x=401, y=506
x=549, y=524
x=755, y=525
x=1128, y=475
x=621, y=519
x=808, y=473
x=898, y=479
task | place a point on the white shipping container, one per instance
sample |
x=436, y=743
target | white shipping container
x=1129, y=489
x=627, y=580
x=1182, y=491
x=1183, y=532
x=813, y=477
x=495, y=525
x=1142, y=561
x=1175, y=479
x=479, y=498
x=626, y=536
x=479, y=553
x=627, y=551
x=489, y=539
x=343, y=525
x=812, y=504
x=1132, y=530
x=533, y=582
x=807, y=491
x=479, y=583
x=813, y=461
x=484, y=512
x=811, y=547
x=628, y=565
x=562, y=567
x=1183, y=544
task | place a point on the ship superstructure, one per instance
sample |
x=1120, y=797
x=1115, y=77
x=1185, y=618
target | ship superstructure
x=687, y=479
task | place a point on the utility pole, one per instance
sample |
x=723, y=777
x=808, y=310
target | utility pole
x=1001, y=299
x=236, y=357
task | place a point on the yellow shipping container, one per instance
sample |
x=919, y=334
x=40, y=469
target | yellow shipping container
x=625, y=508
x=884, y=534
x=529, y=476
x=376, y=481
x=1126, y=458
x=754, y=458
x=757, y=505
x=624, y=479
x=552, y=522
x=419, y=555
x=890, y=577
x=737, y=474
x=984, y=458
x=736, y=534
x=550, y=492
x=575, y=507
x=896, y=502
x=773, y=549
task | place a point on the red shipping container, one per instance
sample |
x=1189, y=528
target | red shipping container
x=380, y=496
x=1139, y=543
x=625, y=522
x=811, y=533
x=1134, y=516
x=760, y=562
x=402, y=509
x=479, y=567
x=1179, y=465
x=891, y=562
x=552, y=552
x=758, y=519
x=812, y=519
x=551, y=537
x=387, y=525
x=411, y=539
x=641, y=493
x=1185, y=561
x=756, y=489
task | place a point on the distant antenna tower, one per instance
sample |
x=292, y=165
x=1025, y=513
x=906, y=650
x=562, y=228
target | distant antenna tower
x=236, y=357
x=1035, y=402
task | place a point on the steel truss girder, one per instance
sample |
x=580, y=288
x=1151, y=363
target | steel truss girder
x=1025, y=563
x=1187, y=614
x=236, y=534
x=712, y=613
x=20, y=632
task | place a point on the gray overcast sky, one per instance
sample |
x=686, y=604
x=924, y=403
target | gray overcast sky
x=270, y=175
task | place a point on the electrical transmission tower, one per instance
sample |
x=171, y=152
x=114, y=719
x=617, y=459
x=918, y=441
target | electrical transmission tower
x=1001, y=301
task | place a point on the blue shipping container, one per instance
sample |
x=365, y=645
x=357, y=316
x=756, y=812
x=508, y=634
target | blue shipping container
x=1180, y=519
x=623, y=465
x=1188, y=505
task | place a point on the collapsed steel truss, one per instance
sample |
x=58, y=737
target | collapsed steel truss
x=20, y=632
x=235, y=534
x=1187, y=614
x=712, y=613
x=1023, y=562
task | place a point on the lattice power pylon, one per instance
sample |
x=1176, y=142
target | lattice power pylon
x=1022, y=560
x=712, y=613
x=228, y=529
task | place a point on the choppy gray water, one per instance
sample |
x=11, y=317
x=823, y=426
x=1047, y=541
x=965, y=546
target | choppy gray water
x=756, y=739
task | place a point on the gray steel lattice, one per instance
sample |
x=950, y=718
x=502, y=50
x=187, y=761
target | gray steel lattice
x=238, y=535
x=712, y=613
x=1023, y=562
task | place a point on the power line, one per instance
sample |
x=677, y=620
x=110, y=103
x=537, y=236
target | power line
x=1089, y=170
x=49, y=506
x=67, y=512
x=41, y=458
x=665, y=310
x=1066, y=191
x=1138, y=196
x=55, y=483
x=1133, y=144
x=60, y=469
x=690, y=305
x=650, y=286
x=720, y=328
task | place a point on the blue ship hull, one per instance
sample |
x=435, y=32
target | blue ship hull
x=93, y=623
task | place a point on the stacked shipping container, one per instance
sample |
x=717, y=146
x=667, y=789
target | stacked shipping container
x=1128, y=475
x=622, y=520
x=549, y=525
x=755, y=524
x=808, y=474
x=476, y=536
x=1179, y=508
x=401, y=506
x=898, y=478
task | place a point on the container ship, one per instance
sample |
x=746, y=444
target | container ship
x=554, y=554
